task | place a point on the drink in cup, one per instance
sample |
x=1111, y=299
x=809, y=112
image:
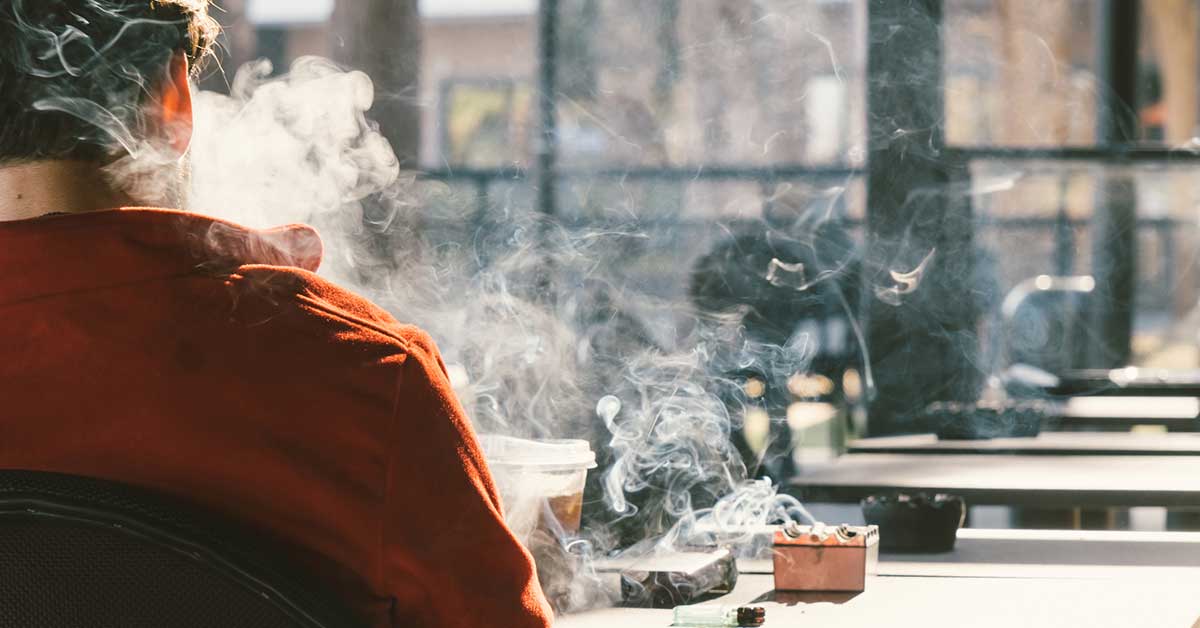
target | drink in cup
x=540, y=482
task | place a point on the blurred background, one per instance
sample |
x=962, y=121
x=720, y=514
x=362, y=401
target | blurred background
x=645, y=89
x=1033, y=163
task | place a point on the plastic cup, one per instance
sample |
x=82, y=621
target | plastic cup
x=540, y=482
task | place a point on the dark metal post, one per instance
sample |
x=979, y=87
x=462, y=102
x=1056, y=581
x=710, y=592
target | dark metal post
x=546, y=168
x=482, y=202
x=547, y=146
x=926, y=347
x=1166, y=256
x=1064, y=233
x=1114, y=253
x=1117, y=66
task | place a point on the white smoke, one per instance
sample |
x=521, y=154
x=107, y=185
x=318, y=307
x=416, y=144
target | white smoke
x=529, y=313
x=293, y=149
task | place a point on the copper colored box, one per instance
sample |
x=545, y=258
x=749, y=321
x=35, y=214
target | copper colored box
x=825, y=558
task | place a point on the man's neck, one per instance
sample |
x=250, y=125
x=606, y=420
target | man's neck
x=29, y=190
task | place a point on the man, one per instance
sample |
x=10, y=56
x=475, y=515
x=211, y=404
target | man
x=203, y=359
x=787, y=278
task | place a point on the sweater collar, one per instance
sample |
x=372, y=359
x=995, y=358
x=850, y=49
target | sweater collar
x=70, y=252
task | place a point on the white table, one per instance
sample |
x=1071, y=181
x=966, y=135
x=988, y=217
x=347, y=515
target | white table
x=1052, y=481
x=994, y=578
x=1046, y=443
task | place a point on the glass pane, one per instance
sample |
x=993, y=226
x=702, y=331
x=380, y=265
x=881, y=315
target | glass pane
x=1020, y=72
x=710, y=81
x=1041, y=219
x=1168, y=111
x=486, y=123
x=478, y=77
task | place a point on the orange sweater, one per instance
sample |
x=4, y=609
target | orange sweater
x=197, y=357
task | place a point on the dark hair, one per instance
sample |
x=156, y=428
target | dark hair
x=74, y=74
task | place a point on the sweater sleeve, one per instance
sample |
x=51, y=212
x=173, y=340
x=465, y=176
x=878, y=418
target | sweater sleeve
x=449, y=559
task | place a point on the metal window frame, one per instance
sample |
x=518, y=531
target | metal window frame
x=902, y=393
x=447, y=87
x=946, y=336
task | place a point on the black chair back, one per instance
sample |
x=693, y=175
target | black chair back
x=80, y=552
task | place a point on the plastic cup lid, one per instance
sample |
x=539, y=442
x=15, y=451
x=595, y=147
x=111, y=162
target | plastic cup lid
x=540, y=455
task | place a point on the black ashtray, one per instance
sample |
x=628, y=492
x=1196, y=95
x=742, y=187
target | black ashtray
x=915, y=523
x=954, y=420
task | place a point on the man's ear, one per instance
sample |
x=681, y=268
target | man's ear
x=175, y=105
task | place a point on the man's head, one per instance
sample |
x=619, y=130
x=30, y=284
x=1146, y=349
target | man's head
x=90, y=80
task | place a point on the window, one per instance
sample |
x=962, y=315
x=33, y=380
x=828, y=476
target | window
x=828, y=215
x=486, y=123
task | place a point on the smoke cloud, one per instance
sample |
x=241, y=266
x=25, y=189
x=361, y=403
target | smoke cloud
x=531, y=355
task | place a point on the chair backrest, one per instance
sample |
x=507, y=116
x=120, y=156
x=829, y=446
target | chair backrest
x=78, y=552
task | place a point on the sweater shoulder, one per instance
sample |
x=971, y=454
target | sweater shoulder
x=316, y=302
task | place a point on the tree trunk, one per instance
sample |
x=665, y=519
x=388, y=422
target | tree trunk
x=383, y=39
